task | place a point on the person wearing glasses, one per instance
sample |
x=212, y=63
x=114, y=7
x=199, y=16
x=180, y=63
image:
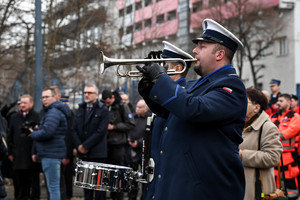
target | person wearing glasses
x=89, y=133
x=50, y=140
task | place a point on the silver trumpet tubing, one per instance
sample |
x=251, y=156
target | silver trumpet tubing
x=108, y=62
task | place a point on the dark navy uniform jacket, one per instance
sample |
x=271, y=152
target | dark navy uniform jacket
x=159, y=122
x=198, y=155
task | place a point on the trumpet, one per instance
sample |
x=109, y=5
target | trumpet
x=108, y=62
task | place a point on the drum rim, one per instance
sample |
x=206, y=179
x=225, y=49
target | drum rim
x=102, y=165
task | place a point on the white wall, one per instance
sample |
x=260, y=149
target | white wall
x=297, y=40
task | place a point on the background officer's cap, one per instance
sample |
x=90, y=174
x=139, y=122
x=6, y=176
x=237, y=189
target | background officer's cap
x=64, y=99
x=171, y=51
x=275, y=82
x=216, y=33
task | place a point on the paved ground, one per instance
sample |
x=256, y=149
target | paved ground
x=77, y=192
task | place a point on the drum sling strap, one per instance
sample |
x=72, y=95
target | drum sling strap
x=147, y=147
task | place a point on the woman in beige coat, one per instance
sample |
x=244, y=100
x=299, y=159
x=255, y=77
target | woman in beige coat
x=270, y=147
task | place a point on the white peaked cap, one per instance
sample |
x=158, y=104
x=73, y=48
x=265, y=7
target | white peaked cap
x=171, y=51
x=216, y=33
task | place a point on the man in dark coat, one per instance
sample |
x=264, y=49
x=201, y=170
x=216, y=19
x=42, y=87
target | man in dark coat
x=199, y=144
x=50, y=140
x=3, y=154
x=20, y=146
x=120, y=122
x=90, y=131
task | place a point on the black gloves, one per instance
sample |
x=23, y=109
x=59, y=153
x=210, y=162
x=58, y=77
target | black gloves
x=152, y=71
x=154, y=55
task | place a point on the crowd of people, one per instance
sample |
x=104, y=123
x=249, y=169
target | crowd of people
x=282, y=110
x=210, y=138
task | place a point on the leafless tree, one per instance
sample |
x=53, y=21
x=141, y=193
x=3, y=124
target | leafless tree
x=15, y=47
x=256, y=24
x=72, y=45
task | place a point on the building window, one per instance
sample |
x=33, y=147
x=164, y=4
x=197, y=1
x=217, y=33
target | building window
x=138, y=5
x=213, y=3
x=138, y=27
x=283, y=49
x=96, y=33
x=89, y=36
x=197, y=6
x=129, y=29
x=148, y=2
x=171, y=15
x=129, y=9
x=81, y=42
x=121, y=13
x=298, y=89
x=260, y=45
x=259, y=86
x=160, y=19
x=121, y=32
x=147, y=23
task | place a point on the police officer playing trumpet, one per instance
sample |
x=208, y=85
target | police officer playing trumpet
x=198, y=146
x=161, y=114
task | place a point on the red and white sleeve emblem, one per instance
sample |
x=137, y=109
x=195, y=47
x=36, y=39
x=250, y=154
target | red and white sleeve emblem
x=227, y=89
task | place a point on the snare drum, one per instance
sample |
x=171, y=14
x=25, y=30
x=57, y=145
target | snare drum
x=104, y=177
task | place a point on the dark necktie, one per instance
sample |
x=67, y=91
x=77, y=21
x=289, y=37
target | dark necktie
x=88, y=110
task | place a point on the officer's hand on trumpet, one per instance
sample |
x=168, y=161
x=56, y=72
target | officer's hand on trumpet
x=152, y=71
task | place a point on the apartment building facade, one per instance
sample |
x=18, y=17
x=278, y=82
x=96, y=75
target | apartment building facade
x=146, y=23
x=136, y=27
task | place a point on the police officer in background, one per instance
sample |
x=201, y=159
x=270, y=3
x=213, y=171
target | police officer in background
x=275, y=89
x=161, y=114
x=199, y=144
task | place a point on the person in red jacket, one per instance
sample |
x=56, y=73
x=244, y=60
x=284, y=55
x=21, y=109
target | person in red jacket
x=294, y=104
x=288, y=123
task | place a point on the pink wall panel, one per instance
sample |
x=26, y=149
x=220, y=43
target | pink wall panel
x=165, y=29
x=225, y=11
x=120, y=4
x=155, y=9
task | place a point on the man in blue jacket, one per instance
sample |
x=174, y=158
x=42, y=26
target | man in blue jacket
x=90, y=131
x=198, y=150
x=50, y=140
